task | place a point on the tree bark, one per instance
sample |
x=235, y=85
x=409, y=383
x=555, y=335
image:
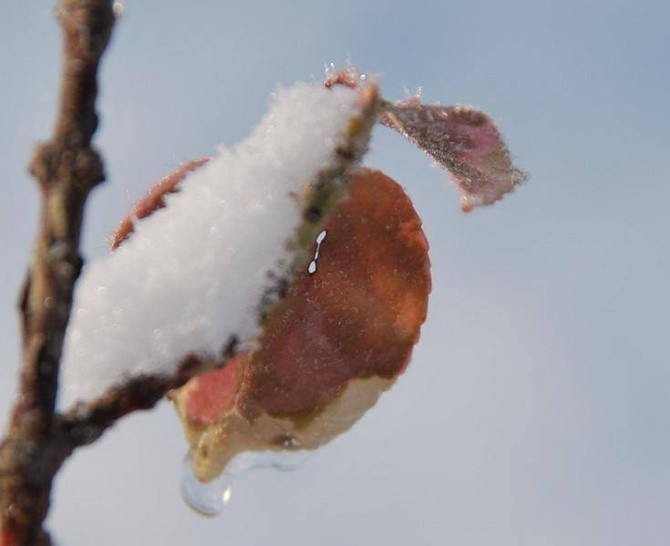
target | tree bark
x=66, y=167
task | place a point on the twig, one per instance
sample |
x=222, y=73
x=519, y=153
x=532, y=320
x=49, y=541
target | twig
x=38, y=439
x=87, y=422
x=67, y=168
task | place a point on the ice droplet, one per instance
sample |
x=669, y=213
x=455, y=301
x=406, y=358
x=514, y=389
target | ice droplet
x=210, y=498
x=311, y=269
x=118, y=8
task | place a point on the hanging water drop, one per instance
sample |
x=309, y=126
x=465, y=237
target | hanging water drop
x=210, y=498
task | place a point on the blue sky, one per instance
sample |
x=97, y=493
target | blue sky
x=535, y=410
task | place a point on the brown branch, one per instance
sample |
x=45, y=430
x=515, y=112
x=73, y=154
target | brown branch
x=67, y=168
x=87, y=422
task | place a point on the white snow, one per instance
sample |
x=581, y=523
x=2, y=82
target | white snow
x=192, y=274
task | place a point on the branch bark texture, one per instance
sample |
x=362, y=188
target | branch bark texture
x=66, y=167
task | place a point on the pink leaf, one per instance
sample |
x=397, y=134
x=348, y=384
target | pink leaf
x=465, y=142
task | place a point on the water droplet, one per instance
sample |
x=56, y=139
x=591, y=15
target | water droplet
x=227, y=494
x=210, y=499
x=311, y=269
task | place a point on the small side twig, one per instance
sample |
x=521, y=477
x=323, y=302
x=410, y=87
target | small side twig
x=87, y=422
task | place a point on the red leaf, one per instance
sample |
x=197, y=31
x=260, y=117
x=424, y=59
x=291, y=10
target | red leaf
x=337, y=340
x=465, y=142
x=215, y=392
x=154, y=199
x=357, y=316
x=341, y=335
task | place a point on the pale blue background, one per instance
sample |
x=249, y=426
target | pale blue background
x=535, y=411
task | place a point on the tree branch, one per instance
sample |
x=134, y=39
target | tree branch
x=66, y=168
x=87, y=422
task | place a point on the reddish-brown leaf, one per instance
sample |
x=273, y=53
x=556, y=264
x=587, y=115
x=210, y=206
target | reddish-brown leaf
x=341, y=336
x=357, y=316
x=154, y=199
x=464, y=141
x=215, y=392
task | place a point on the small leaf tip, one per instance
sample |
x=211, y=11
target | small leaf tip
x=462, y=140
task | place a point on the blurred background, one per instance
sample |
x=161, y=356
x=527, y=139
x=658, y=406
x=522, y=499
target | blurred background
x=536, y=408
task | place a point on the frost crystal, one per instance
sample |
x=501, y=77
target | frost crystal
x=190, y=278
